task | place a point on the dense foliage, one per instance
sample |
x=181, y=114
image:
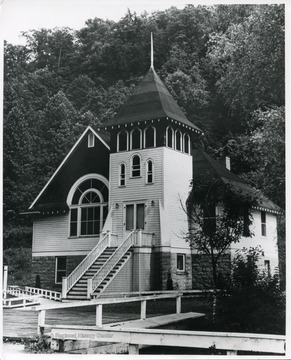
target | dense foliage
x=252, y=301
x=223, y=64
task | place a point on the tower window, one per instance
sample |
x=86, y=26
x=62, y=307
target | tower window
x=135, y=166
x=149, y=172
x=209, y=219
x=178, y=140
x=122, y=141
x=122, y=175
x=91, y=140
x=170, y=137
x=186, y=143
x=136, y=139
x=150, y=137
x=263, y=223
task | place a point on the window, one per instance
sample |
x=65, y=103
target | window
x=181, y=262
x=150, y=137
x=60, y=269
x=135, y=139
x=135, y=166
x=122, y=141
x=267, y=267
x=263, y=223
x=91, y=140
x=149, y=172
x=170, y=137
x=178, y=140
x=209, y=218
x=186, y=144
x=89, y=208
x=134, y=216
x=122, y=175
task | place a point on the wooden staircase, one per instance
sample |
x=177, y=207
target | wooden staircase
x=79, y=290
x=113, y=272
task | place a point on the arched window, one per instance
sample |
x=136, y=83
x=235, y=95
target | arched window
x=170, y=137
x=178, y=140
x=122, y=174
x=88, y=208
x=91, y=140
x=122, y=141
x=150, y=137
x=149, y=172
x=187, y=144
x=135, y=139
x=135, y=166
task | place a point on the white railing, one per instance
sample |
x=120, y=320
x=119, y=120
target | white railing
x=79, y=271
x=143, y=239
x=47, y=294
x=21, y=302
x=97, y=279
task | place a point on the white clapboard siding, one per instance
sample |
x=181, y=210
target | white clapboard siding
x=136, y=189
x=50, y=237
x=268, y=243
x=177, y=178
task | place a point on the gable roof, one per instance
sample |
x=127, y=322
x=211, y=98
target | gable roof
x=203, y=162
x=102, y=136
x=150, y=100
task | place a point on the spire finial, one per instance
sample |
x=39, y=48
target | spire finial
x=152, y=51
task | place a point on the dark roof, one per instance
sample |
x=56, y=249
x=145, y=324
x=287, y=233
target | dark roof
x=202, y=162
x=150, y=100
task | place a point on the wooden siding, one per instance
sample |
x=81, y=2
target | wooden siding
x=177, y=177
x=50, y=238
x=123, y=280
x=136, y=189
x=82, y=161
x=268, y=243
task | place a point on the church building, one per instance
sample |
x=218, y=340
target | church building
x=111, y=218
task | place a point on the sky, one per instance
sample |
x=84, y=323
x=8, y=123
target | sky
x=22, y=15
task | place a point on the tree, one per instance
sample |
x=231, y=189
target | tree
x=219, y=214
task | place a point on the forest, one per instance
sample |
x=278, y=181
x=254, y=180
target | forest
x=224, y=65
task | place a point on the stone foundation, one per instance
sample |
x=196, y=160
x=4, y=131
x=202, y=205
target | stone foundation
x=202, y=270
x=44, y=266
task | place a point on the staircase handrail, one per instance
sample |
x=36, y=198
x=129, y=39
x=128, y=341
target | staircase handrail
x=112, y=261
x=84, y=265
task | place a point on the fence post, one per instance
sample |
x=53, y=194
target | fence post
x=5, y=276
x=41, y=322
x=64, y=287
x=178, y=304
x=133, y=349
x=231, y=352
x=99, y=315
x=143, y=306
x=109, y=239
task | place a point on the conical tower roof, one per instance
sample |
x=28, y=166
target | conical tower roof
x=151, y=100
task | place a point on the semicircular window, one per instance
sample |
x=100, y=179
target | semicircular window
x=89, y=208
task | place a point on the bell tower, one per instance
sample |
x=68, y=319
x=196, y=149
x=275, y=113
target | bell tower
x=150, y=174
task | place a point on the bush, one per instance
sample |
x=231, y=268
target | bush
x=253, y=301
x=19, y=265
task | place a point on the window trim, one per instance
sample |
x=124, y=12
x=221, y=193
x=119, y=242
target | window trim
x=181, y=140
x=56, y=268
x=263, y=223
x=127, y=140
x=144, y=136
x=140, y=138
x=183, y=262
x=184, y=144
x=119, y=174
x=131, y=166
x=91, y=140
x=147, y=172
x=134, y=203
